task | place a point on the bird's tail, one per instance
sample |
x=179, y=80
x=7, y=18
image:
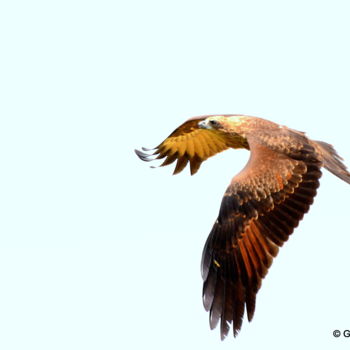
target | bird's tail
x=332, y=161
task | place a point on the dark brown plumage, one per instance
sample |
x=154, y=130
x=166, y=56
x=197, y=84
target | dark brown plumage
x=261, y=206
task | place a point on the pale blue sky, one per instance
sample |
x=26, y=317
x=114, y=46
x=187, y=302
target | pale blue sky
x=97, y=250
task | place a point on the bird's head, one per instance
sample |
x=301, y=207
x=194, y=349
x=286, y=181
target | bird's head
x=224, y=123
x=211, y=123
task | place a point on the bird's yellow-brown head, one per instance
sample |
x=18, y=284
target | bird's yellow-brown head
x=222, y=121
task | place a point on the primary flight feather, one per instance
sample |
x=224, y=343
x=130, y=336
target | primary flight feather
x=260, y=208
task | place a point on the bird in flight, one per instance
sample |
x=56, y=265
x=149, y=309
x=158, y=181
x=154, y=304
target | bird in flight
x=260, y=208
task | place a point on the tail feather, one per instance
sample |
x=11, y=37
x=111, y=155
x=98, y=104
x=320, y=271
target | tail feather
x=332, y=161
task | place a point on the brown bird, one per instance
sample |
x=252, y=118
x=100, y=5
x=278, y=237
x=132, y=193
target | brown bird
x=261, y=206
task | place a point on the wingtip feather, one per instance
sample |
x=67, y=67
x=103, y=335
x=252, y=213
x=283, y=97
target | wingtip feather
x=143, y=156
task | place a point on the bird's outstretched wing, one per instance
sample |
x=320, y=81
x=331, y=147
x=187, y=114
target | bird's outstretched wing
x=260, y=209
x=189, y=143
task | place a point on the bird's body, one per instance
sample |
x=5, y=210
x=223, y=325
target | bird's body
x=260, y=208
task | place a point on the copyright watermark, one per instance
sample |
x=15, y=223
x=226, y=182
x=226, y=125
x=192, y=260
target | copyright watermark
x=337, y=333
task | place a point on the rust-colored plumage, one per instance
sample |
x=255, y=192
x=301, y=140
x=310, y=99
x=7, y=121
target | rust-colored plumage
x=261, y=206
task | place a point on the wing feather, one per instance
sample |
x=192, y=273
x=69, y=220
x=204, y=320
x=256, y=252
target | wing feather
x=190, y=147
x=170, y=158
x=201, y=147
x=181, y=163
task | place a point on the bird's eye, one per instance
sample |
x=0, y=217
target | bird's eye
x=213, y=122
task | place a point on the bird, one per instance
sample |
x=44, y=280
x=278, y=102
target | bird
x=261, y=207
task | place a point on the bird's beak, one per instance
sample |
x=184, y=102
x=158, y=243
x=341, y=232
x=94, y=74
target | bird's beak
x=204, y=124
